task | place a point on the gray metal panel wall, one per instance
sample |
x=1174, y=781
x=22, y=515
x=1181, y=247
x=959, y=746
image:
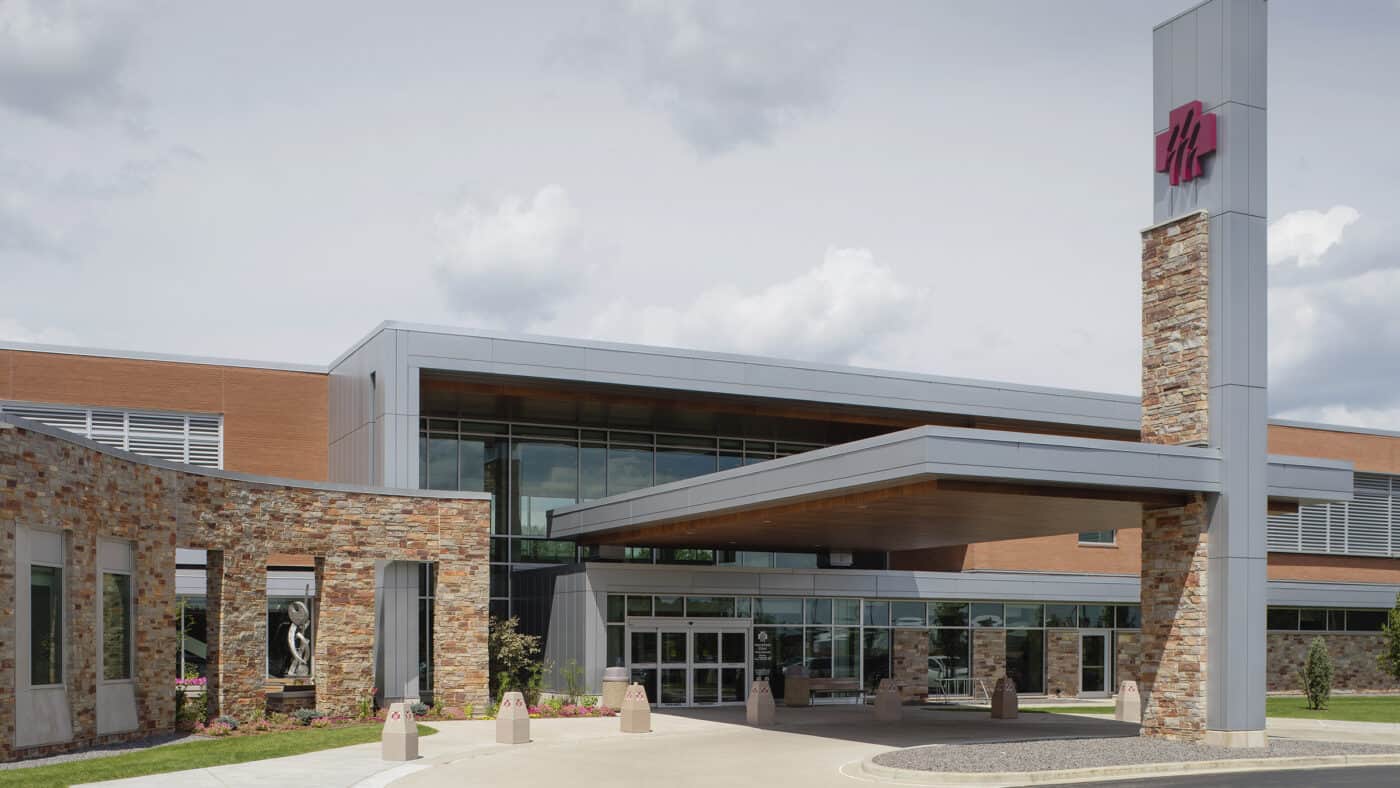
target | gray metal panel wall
x=434, y=347
x=396, y=639
x=374, y=426
x=1215, y=53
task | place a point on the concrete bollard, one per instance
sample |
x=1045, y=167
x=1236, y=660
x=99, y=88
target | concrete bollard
x=614, y=687
x=1005, y=704
x=399, y=742
x=797, y=687
x=889, y=706
x=1127, y=707
x=636, y=710
x=759, y=709
x=513, y=720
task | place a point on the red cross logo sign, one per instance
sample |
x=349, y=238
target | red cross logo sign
x=1190, y=135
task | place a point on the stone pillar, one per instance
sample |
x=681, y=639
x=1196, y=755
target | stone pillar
x=1062, y=663
x=156, y=661
x=911, y=663
x=988, y=657
x=236, y=589
x=460, y=657
x=344, y=653
x=1173, y=668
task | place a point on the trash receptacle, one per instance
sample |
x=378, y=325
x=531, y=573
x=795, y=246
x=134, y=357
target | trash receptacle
x=614, y=687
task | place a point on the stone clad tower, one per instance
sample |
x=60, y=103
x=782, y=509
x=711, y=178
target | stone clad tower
x=1204, y=570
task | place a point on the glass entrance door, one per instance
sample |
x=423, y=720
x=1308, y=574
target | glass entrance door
x=675, y=667
x=682, y=667
x=718, y=670
x=1093, y=664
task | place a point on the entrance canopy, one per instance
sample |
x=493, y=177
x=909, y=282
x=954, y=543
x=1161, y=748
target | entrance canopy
x=929, y=487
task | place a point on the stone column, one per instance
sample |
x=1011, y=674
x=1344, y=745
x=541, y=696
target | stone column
x=460, y=658
x=1062, y=662
x=236, y=584
x=155, y=619
x=910, y=657
x=1173, y=666
x=344, y=654
x=988, y=656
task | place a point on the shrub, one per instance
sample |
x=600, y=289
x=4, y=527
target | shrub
x=588, y=701
x=469, y=710
x=513, y=660
x=1390, y=656
x=321, y=722
x=419, y=709
x=1317, y=675
x=227, y=720
x=215, y=728
x=573, y=680
x=308, y=716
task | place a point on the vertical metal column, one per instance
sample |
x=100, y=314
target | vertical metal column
x=1216, y=54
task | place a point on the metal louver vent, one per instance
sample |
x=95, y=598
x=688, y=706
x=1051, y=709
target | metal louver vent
x=1368, y=525
x=178, y=437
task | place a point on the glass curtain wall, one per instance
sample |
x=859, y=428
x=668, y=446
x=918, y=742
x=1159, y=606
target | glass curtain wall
x=853, y=638
x=530, y=469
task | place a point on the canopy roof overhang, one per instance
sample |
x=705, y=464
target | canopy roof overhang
x=929, y=487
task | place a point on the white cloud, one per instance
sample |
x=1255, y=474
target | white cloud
x=63, y=59
x=725, y=74
x=842, y=311
x=1307, y=235
x=13, y=331
x=513, y=260
x=1346, y=416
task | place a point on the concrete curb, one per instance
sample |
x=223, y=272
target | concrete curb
x=868, y=768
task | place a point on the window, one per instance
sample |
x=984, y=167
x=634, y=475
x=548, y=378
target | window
x=986, y=614
x=1098, y=537
x=877, y=614
x=876, y=657
x=948, y=614
x=1060, y=616
x=45, y=625
x=1025, y=659
x=427, y=595
x=908, y=614
x=1024, y=616
x=1129, y=617
x=287, y=620
x=191, y=626
x=116, y=626
x=1366, y=620
x=777, y=611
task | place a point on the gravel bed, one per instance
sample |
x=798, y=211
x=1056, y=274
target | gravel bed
x=1052, y=754
x=105, y=751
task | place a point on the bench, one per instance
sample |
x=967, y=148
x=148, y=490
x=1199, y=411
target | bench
x=828, y=686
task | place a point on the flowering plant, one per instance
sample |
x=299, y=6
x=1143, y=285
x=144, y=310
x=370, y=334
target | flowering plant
x=198, y=681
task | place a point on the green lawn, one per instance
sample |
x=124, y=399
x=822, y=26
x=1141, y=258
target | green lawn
x=1372, y=709
x=194, y=755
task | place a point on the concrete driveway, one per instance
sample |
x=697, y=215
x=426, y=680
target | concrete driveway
x=711, y=747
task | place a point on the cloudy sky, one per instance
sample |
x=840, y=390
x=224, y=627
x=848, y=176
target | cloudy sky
x=952, y=188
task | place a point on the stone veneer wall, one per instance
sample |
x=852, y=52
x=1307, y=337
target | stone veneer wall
x=1354, y=665
x=911, y=663
x=1175, y=331
x=69, y=485
x=1175, y=410
x=1128, y=660
x=988, y=657
x=1062, y=662
x=1172, y=676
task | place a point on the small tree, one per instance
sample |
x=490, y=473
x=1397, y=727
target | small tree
x=513, y=658
x=1317, y=674
x=1390, y=653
